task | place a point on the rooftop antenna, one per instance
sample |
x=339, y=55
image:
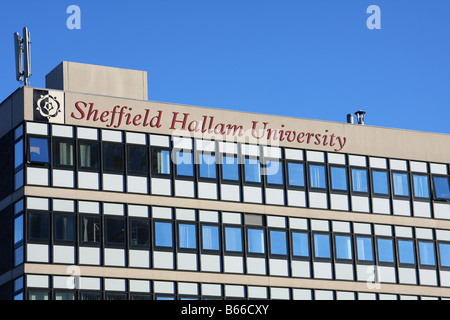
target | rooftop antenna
x=22, y=48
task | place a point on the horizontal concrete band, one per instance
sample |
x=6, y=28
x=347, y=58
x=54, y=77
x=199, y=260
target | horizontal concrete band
x=236, y=279
x=215, y=205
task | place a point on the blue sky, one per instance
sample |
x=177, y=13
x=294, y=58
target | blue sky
x=311, y=59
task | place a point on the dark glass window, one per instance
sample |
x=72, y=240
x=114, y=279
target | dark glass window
x=421, y=186
x=230, y=168
x=163, y=234
x=441, y=187
x=380, y=182
x=90, y=229
x=252, y=170
x=317, y=176
x=115, y=231
x=63, y=153
x=278, y=242
x=139, y=232
x=359, y=180
x=89, y=155
x=113, y=157
x=38, y=226
x=90, y=296
x=274, y=172
x=300, y=244
x=187, y=236
x=338, y=178
x=161, y=162
x=296, y=174
x=38, y=150
x=184, y=164
x=233, y=239
x=64, y=227
x=137, y=160
x=210, y=237
x=400, y=182
x=207, y=165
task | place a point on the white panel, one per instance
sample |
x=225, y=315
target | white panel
x=139, y=286
x=88, y=180
x=229, y=192
x=385, y=296
x=210, y=263
x=339, y=202
x=88, y=255
x=380, y=163
x=422, y=209
x=365, y=273
x=438, y=168
x=63, y=282
x=278, y=267
x=337, y=158
x=301, y=294
x=441, y=210
x=428, y=277
x=187, y=261
x=408, y=297
x=185, y=214
x=276, y=221
x=256, y=265
x=366, y=296
x=87, y=133
x=37, y=176
x=257, y=292
x=359, y=161
x=418, y=166
x=362, y=228
x=164, y=287
x=381, y=205
x=113, y=182
x=320, y=225
x=137, y=184
x=37, y=203
x=205, y=145
x=228, y=147
x=231, y=217
x=445, y=278
x=443, y=235
x=87, y=283
x=184, y=188
x=211, y=289
x=402, y=207
x=386, y=274
x=234, y=291
x=136, y=138
x=208, y=216
x=112, y=135
x=279, y=293
x=252, y=194
x=63, y=254
x=323, y=270
x=233, y=264
x=250, y=149
x=272, y=152
x=293, y=154
x=88, y=207
x=115, y=284
x=360, y=204
x=405, y=232
x=187, y=288
x=182, y=143
x=137, y=211
x=158, y=140
x=398, y=164
x=139, y=259
x=161, y=213
x=114, y=257
x=37, y=253
x=37, y=281
x=62, y=131
x=161, y=186
x=341, y=226
x=315, y=156
x=345, y=295
x=207, y=190
x=383, y=230
x=296, y=198
x=344, y=271
x=63, y=178
x=318, y=200
x=324, y=295
x=274, y=196
x=424, y=233
x=300, y=269
x=37, y=128
x=115, y=209
x=298, y=223
x=163, y=260
x=63, y=205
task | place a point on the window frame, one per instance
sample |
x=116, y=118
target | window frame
x=414, y=251
x=130, y=232
x=55, y=141
x=347, y=182
x=394, y=254
x=75, y=226
x=175, y=164
x=326, y=178
x=434, y=252
x=45, y=164
x=352, y=249
x=178, y=238
x=28, y=225
x=243, y=244
x=247, y=241
x=219, y=235
x=128, y=158
x=99, y=166
x=305, y=181
x=408, y=177
x=244, y=159
x=109, y=244
x=83, y=243
x=388, y=184
x=199, y=155
x=438, y=247
x=104, y=158
x=368, y=182
x=373, y=253
x=433, y=186
x=266, y=176
x=313, y=246
x=156, y=247
x=413, y=187
x=269, y=249
x=221, y=168
x=153, y=174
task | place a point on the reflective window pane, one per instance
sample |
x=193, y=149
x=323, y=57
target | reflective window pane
x=210, y=237
x=444, y=254
x=230, y=168
x=233, y=239
x=296, y=174
x=317, y=177
x=38, y=150
x=187, y=236
x=441, y=187
x=338, y=178
x=421, y=189
x=300, y=244
x=380, y=182
x=322, y=246
x=343, y=247
x=400, y=182
x=18, y=229
x=274, y=172
x=161, y=162
x=406, y=251
x=255, y=238
x=163, y=234
x=278, y=243
x=359, y=180
x=385, y=250
x=364, y=248
x=184, y=163
x=207, y=165
x=252, y=169
x=18, y=154
x=89, y=155
x=426, y=253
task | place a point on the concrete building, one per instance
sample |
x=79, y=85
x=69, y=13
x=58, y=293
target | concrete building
x=106, y=195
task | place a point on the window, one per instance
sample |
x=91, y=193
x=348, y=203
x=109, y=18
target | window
x=210, y=238
x=115, y=231
x=90, y=296
x=163, y=234
x=113, y=157
x=137, y=160
x=184, y=164
x=406, y=251
x=187, y=236
x=426, y=253
x=338, y=178
x=274, y=172
x=317, y=177
x=359, y=180
x=64, y=230
x=343, y=245
x=160, y=162
x=63, y=154
x=441, y=187
x=230, y=168
x=207, y=166
x=139, y=232
x=64, y=296
x=233, y=239
x=300, y=244
x=89, y=155
x=278, y=242
x=421, y=188
x=380, y=182
x=18, y=154
x=38, y=295
x=401, y=184
x=385, y=248
x=18, y=229
x=444, y=254
x=38, y=150
x=90, y=229
x=38, y=226
x=364, y=248
x=322, y=248
x=296, y=174
x=256, y=243
x=252, y=170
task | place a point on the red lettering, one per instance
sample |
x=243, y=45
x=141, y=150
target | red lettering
x=136, y=119
x=103, y=116
x=92, y=112
x=79, y=110
x=174, y=120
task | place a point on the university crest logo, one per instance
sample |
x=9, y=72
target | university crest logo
x=48, y=106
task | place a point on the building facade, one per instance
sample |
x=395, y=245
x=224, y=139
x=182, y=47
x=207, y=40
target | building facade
x=106, y=195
